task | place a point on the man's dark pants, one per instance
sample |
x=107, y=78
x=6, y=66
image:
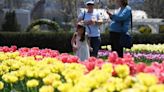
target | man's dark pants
x=95, y=43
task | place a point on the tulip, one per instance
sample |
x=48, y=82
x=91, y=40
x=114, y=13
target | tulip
x=46, y=89
x=1, y=85
x=32, y=83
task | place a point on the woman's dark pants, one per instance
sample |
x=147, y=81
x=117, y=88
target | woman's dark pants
x=115, y=43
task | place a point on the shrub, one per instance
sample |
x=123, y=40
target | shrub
x=161, y=29
x=52, y=25
x=145, y=30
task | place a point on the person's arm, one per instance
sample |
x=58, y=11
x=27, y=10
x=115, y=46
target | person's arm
x=80, y=17
x=99, y=21
x=73, y=40
x=120, y=17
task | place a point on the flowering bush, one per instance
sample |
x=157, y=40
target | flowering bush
x=46, y=70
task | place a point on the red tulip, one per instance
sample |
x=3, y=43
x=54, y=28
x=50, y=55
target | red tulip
x=99, y=62
x=119, y=61
x=5, y=49
x=89, y=65
x=148, y=70
x=72, y=59
x=112, y=56
x=140, y=67
x=92, y=59
x=13, y=48
x=63, y=57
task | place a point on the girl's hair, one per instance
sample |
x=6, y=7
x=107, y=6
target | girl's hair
x=83, y=35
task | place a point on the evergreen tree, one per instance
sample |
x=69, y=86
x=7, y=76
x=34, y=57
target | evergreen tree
x=10, y=24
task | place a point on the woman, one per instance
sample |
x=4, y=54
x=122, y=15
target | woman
x=119, y=25
x=91, y=19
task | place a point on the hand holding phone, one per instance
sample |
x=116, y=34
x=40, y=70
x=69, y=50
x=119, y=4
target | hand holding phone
x=107, y=11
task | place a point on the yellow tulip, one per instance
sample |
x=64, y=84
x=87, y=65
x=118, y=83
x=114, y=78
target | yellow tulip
x=140, y=87
x=1, y=85
x=32, y=83
x=65, y=87
x=107, y=67
x=147, y=79
x=80, y=87
x=20, y=73
x=56, y=84
x=30, y=73
x=100, y=90
x=157, y=88
x=109, y=86
x=51, y=78
x=128, y=81
x=13, y=79
x=131, y=90
x=122, y=70
x=46, y=89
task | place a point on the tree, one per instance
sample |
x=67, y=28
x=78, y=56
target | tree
x=11, y=22
x=38, y=10
x=154, y=8
x=17, y=3
x=69, y=9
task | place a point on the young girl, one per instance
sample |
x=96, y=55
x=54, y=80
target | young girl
x=80, y=43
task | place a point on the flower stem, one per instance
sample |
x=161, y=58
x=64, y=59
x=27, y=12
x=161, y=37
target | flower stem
x=11, y=86
x=22, y=85
x=28, y=90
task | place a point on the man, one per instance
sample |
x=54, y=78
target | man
x=91, y=19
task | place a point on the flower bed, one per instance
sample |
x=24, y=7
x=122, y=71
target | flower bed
x=142, y=48
x=46, y=70
x=141, y=52
x=146, y=57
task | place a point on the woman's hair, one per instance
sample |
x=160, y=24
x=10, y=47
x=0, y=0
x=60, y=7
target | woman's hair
x=83, y=35
x=124, y=2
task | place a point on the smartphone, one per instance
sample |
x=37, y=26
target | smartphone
x=107, y=9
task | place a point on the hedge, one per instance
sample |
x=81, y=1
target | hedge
x=58, y=41
x=61, y=40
